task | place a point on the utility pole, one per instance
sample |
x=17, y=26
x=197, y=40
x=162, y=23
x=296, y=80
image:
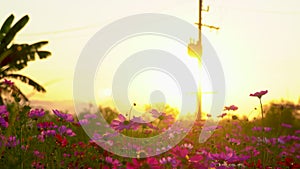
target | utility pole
x=195, y=50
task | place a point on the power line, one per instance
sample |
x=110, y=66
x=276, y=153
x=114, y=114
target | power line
x=55, y=32
x=258, y=10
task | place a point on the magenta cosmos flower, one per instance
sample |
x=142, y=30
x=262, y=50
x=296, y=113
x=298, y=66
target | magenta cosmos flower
x=121, y=123
x=162, y=116
x=67, y=117
x=8, y=82
x=3, y=116
x=36, y=113
x=232, y=107
x=259, y=94
x=149, y=162
x=286, y=125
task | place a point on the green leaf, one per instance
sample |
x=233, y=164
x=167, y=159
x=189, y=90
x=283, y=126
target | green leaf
x=12, y=33
x=38, y=45
x=5, y=54
x=7, y=24
x=43, y=54
x=28, y=81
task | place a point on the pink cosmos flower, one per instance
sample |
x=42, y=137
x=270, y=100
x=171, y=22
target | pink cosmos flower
x=36, y=113
x=196, y=161
x=229, y=156
x=90, y=116
x=149, y=162
x=181, y=152
x=83, y=122
x=155, y=113
x=222, y=115
x=8, y=82
x=267, y=129
x=187, y=145
x=3, y=116
x=67, y=117
x=48, y=133
x=3, y=122
x=255, y=128
x=12, y=141
x=121, y=123
x=234, y=141
x=169, y=161
x=259, y=94
x=162, y=116
x=64, y=130
x=114, y=164
x=46, y=125
x=39, y=154
x=286, y=125
x=3, y=111
x=37, y=165
x=232, y=107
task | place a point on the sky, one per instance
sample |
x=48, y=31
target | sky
x=257, y=43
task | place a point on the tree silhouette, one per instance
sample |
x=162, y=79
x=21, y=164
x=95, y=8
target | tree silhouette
x=14, y=57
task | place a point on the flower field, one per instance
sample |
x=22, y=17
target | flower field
x=36, y=138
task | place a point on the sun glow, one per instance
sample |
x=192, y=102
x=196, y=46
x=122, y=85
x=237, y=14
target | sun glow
x=151, y=85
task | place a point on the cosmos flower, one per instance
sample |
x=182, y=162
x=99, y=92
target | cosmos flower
x=121, y=124
x=8, y=82
x=180, y=152
x=222, y=115
x=112, y=163
x=3, y=122
x=39, y=154
x=60, y=140
x=255, y=128
x=267, y=129
x=90, y=116
x=67, y=117
x=3, y=116
x=232, y=107
x=149, y=162
x=286, y=125
x=12, y=141
x=36, y=113
x=48, y=133
x=64, y=130
x=3, y=111
x=259, y=94
x=46, y=125
x=289, y=163
x=155, y=113
x=83, y=122
x=169, y=161
x=37, y=165
x=229, y=155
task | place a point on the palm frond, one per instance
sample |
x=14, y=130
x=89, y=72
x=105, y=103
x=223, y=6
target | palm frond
x=38, y=45
x=18, y=55
x=6, y=26
x=27, y=80
x=21, y=94
x=12, y=33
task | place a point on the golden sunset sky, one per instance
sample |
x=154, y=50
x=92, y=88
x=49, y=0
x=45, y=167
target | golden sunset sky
x=257, y=44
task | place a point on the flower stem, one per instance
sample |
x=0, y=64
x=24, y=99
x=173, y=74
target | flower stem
x=263, y=139
x=262, y=112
